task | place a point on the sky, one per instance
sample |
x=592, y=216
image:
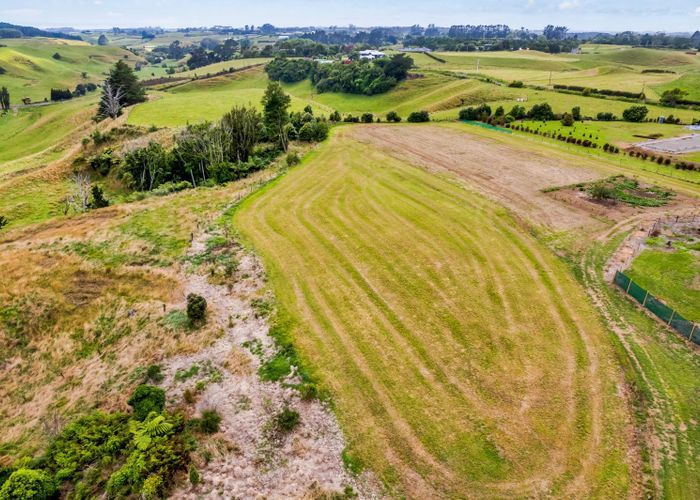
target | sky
x=578, y=15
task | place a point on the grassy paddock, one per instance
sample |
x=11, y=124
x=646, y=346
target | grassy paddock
x=482, y=391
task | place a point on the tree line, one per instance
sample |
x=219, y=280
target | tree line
x=355, y=77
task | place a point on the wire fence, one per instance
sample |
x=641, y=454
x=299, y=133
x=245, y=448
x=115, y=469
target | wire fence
x=670, y=316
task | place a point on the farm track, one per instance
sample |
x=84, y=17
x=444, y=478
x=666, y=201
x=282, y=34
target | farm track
x=357, y=243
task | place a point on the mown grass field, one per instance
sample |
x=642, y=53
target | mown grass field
x=485, y=390
x=674, y=277
x=31, y=71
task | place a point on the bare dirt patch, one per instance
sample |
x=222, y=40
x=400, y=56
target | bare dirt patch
x=245, y=460
x=513, y=177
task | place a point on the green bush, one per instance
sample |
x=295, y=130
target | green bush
x=146, y=399
x=209, y=423
x=313, y=131
x=393, y=117
x=367, y=118
x=635, y=113
x=479, y=113
x=3, y=221
x=193, y=475
x=154, y=374
x=567, y=120
x=599, y=191
x=419, y=117
x=287, y=419
x=196, y=307
x=292, y=159
x=28, y=484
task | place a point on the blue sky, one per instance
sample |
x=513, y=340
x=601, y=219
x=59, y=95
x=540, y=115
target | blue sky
x=603, y=15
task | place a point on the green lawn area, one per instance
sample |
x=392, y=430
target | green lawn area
x=674, y=277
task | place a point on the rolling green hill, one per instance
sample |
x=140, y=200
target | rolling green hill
x=32, y=71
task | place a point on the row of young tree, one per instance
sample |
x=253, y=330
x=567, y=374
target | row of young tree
x=543, y=112
x=356, y=77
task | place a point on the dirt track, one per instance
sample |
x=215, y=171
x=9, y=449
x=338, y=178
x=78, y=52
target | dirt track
x=499, y=171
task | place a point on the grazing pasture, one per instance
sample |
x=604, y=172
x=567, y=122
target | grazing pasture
x=32, y=71
x=482, y=391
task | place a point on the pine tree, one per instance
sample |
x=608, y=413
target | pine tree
x=123, y=79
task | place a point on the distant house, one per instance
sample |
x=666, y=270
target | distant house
x=371, y=54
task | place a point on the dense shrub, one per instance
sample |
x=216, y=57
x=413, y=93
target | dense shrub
x=635, y=113
x=517, y=84
x=104, y=162
x=599, y=191
x=97, y=198
x=289, y=70
x=146, y=399
x=541, y=112
x=61, y=94
x=361, y=77
x=475, y=113
x=28, y=484
x=292, y=159
x=393, y=117
x=196, y=307
x=314, y=131
x=605, y=116
x=419, y=117
x=567, y=119
x=287, y=419
x=367, y=118
x=209, y=423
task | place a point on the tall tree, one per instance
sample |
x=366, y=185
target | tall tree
x=122, y=77
x=240, y=127
x=276, y=114
x=102, y=40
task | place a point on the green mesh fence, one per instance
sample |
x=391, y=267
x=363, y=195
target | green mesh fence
x=672, y=318
x=487, y=126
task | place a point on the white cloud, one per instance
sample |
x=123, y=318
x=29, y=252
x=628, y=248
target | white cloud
x=112, y=13
x=530, y=3
x=98, y=2
x=569, y=4
x=697, y=11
